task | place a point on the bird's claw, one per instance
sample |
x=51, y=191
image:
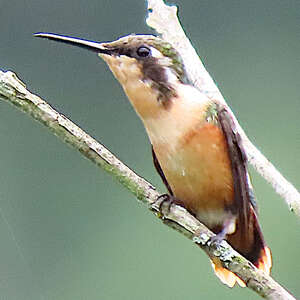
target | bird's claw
x=218, y=238
x=165, y=202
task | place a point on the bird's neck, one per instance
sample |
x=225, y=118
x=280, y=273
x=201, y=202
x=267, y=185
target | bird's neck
x=168, y=123
x=167, y=118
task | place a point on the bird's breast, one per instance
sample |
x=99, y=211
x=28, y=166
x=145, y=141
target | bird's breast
x=198, y=170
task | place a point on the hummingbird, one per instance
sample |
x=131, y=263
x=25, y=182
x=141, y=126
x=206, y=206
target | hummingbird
x=195, y=146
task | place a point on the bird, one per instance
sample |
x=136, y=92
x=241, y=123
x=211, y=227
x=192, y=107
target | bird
x=196, y=148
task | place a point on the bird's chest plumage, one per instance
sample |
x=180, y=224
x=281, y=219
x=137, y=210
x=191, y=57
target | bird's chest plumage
x=192, y=153
x=197, y=168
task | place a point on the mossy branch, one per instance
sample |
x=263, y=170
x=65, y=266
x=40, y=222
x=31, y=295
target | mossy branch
x=163, y=18
x=14, y=91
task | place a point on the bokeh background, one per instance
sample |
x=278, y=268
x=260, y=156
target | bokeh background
x=67, y=229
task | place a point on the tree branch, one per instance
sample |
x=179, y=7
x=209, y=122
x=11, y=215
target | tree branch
x=14, y=91
x=163, y=19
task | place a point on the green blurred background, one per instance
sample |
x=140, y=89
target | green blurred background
x=68, y=231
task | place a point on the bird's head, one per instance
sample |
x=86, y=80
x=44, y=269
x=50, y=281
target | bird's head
x=143, y=64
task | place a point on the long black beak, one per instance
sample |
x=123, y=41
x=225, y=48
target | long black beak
x=86, y=44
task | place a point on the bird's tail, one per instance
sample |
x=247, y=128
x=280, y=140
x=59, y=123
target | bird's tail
x=249, y=242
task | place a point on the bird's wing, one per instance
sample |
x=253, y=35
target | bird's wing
x=160, y=171
x=243, y=192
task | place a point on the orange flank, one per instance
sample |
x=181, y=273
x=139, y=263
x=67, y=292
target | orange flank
x=198, y=169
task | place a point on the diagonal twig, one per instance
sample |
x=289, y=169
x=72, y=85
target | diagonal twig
x=14, y=91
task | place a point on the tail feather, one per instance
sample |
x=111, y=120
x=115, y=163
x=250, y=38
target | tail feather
x=226, y=276
x=250, y=243
x=230, y=279
x=264, y=263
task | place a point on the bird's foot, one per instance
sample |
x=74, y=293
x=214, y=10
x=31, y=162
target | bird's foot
x=229, y=227
x=165, y=202
x=218, y=238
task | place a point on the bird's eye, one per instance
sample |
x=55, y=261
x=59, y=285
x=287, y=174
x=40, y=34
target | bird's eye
x=143, y=51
